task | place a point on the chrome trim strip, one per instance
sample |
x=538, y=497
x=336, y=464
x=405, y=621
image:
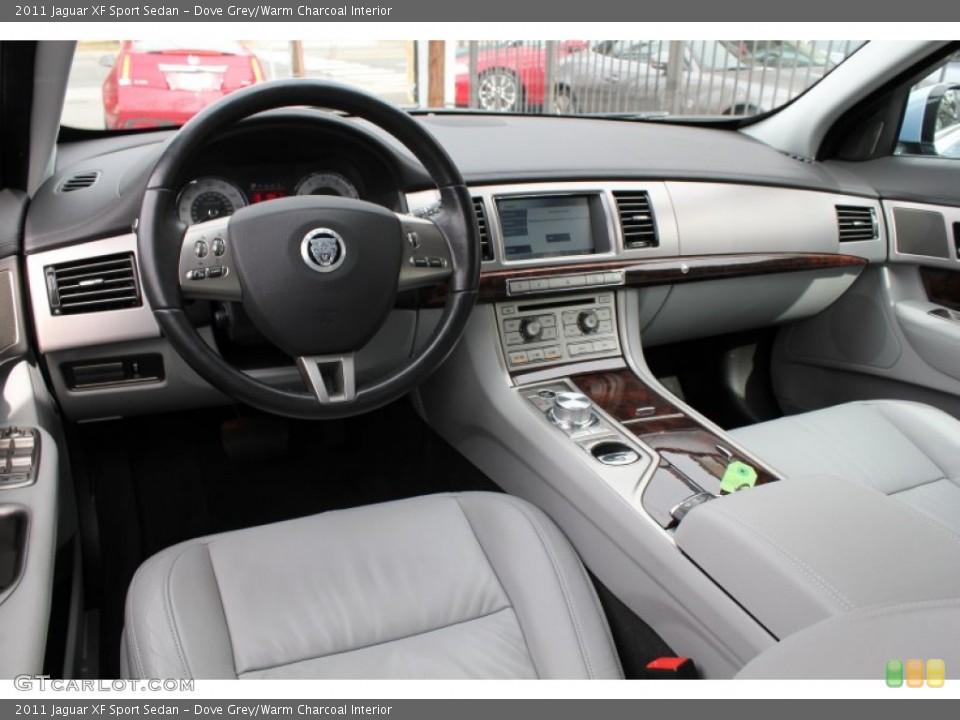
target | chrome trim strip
x=62, y=332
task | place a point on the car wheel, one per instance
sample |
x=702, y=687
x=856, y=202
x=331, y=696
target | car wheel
x=500, y=91
x=564, y=103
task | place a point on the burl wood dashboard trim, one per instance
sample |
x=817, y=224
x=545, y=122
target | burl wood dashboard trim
x=660, y=271
x=669, y=271
x=661, y=424
x=942, y=286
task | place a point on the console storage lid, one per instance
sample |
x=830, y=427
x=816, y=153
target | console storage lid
x=795, y=552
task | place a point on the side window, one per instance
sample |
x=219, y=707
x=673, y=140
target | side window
x=931, y=120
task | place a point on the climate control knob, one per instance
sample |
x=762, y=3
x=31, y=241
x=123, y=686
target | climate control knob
x=588, y=322
x=572, y=411
x=530, y=329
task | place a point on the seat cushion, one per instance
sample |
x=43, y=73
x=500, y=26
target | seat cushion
x=906, y=450
x=465, y=585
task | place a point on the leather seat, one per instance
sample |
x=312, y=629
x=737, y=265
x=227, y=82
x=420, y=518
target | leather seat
x=907, y=450
x=474, y=585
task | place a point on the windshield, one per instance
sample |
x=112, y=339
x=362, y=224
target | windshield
x=130, y=84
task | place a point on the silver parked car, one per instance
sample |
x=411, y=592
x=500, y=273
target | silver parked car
x=678, y=78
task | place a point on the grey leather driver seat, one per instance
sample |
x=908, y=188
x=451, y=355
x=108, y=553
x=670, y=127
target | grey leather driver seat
x=907, y=450
x=473, y=585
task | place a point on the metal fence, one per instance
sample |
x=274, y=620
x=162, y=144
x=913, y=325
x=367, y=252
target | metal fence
x=698, y=77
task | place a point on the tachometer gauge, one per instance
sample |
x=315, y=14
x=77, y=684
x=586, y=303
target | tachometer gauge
x=208, y=198
x=327, y=183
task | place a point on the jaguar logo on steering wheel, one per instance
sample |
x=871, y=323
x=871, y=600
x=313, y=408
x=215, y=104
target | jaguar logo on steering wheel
x=323, y=250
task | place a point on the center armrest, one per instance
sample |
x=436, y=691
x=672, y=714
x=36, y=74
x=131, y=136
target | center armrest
x=793, y=553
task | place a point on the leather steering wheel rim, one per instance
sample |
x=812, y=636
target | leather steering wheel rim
x=160, y=232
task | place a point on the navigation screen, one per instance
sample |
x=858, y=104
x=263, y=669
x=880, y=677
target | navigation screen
x=545, y=227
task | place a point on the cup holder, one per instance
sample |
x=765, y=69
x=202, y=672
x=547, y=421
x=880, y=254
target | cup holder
x=614, y=453
x=13, y=543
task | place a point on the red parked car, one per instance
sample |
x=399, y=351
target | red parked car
x=155, y=84
x=511, y=74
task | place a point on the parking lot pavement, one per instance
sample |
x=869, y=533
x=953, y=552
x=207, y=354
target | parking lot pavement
x=381, y=68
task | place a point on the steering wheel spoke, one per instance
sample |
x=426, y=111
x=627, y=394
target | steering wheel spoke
x=331, y=378
x=426, y=254
x=206, y=269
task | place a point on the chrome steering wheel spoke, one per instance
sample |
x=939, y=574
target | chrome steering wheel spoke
x=331, y=378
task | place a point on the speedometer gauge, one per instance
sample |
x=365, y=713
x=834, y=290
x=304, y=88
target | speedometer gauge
x=327, y=183
x=208, y=198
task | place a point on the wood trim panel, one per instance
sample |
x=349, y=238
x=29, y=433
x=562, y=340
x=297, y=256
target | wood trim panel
x=644, y=273
x=942, y=286
x=685, y=446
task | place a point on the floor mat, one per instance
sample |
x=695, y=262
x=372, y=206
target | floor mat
x=160, y=480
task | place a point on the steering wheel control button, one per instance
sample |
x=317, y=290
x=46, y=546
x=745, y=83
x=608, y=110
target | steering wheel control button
x=198, y=274
x=413, y=240
x=201, y=249
x=216, y=272
x=419, y=262
x=219, y=247
x=323, y=250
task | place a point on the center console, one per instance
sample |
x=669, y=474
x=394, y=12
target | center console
x=551, y=332
x=548, y=393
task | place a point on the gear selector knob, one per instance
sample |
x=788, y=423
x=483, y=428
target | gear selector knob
x=572, y=410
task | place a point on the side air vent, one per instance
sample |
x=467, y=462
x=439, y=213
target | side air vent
x=856, y=222
x=636, y=219
x=108, y=282
x=486, y=249
x=80, y=181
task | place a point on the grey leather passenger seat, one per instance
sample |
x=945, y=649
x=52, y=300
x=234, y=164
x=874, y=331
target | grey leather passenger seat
x=474, y=585
x=906, y=450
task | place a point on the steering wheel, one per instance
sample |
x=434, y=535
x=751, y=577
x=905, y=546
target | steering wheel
x=317, y=275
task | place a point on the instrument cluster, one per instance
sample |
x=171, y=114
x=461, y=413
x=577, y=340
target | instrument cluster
x=217, y=195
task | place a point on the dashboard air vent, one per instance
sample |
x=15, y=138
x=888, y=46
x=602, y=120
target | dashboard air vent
x=636, y=219
x=857, y=222
x=80, y=181
x=96, y=284
x=486, y=249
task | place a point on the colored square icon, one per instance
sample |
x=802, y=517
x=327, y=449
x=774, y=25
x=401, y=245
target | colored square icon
x=894, y=673
x=914, y=673
x=936, y=672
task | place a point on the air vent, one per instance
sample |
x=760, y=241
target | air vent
x=93, y=285
x=80, y=181
x=486, y=249
x=856, y=223
x=636, y=219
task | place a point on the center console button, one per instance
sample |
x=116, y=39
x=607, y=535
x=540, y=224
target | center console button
x=588, y=321
x=572, y=410
x=530, y=329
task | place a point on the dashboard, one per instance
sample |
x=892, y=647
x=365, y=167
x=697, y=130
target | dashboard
x=687, y=217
